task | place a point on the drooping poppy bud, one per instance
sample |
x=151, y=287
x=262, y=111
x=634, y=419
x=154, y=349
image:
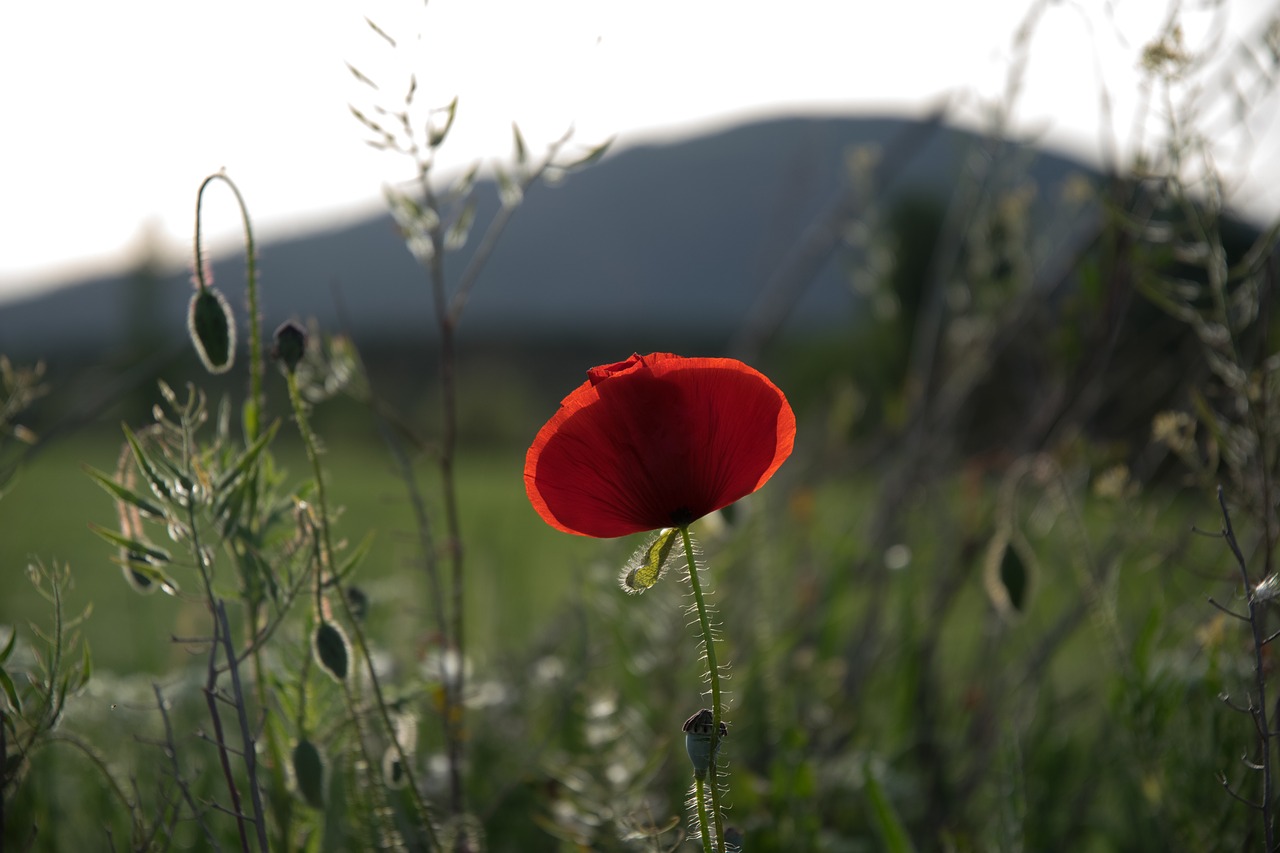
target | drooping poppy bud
x=212, y=327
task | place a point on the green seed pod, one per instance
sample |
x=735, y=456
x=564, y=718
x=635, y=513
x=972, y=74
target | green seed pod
x=213, y=330
x=309, y=772
x=290, y=345
x=332, y=649
x=697, y=740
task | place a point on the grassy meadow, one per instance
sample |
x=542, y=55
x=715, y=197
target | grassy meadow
x=1014, y=654
x=514, y=590
x=1013, y=590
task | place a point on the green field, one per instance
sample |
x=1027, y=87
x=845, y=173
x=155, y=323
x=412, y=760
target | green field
x=520, y=571
x=874, y=665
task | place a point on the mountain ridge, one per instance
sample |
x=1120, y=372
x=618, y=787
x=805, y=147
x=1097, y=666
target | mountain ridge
x=680, y=236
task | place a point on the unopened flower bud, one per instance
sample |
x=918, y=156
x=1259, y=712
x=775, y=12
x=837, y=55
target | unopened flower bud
x=290, y=345
x=697, y=740
x=309, y=772
x=332, y=649
x=213, y=329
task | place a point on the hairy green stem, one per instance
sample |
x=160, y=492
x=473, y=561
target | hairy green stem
x=700, y=797
x=713, y=678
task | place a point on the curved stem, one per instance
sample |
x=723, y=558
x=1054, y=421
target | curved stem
x=253, y=408
x=713, y=678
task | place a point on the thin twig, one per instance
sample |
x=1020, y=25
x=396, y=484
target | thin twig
x=171, y=751
x=210, y=691
x=1259, y=708
x=246, y=736
x=1228, y=610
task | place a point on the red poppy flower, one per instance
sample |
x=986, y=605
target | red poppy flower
x=657, y=441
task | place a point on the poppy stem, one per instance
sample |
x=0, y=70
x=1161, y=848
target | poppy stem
x=700, y=799
x=713, y=678
x=253, y=406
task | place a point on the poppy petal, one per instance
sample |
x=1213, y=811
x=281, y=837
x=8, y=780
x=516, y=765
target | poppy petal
x=657, y=441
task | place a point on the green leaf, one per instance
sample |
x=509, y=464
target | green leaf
x=139, y=551
x=359, y=75
x=6, y=684
x=886, y=819
x=380, y=31
x=229, y=505
x=437, y=135
x=592, y=155
x=86, y=667
x=357, y=555
x=462, y=186
x=144, y=576
x=509, y=191
x=522, y=153
x=647, y=565
x=8, y=647
x=247, y=458
x=456, y=237
x=158, y=484
x=125, y=495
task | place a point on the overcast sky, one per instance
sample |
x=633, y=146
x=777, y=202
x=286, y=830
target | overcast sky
x=114, y=112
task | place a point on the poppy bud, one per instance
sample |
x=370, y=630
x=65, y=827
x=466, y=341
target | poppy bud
x=697, y=740
x=332, y=649
x=290, y=345
x=308, y=772
x=213, y=329
x=358, y=601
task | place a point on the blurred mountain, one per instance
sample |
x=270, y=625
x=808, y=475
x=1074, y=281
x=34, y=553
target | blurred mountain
x=696, y=237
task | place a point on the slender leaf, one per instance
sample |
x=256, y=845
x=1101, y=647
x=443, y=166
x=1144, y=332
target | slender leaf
x=6, y=684
x=437, y=135
x=591, y=156
x=357, y=555
x=522, y=152
x=151, y=553
x=124, y=494
x=144, y=575
x=9, y=646
x=247, y=458
x=456, y=237
x=886, y=819
x=145, y=465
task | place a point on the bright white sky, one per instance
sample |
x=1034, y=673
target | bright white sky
x=115, y=111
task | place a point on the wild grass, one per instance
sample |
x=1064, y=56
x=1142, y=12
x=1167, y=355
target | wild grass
x=1013, y=591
